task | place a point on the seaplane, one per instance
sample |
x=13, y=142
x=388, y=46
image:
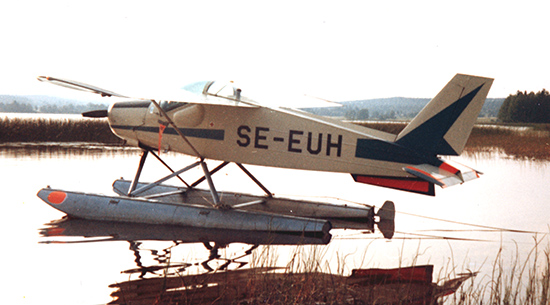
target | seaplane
x=218, y=121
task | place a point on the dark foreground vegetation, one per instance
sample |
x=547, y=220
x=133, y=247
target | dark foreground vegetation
x=54, y=130
x=530, y=141
x=516, y=280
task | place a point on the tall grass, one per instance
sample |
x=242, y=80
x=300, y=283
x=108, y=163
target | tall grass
x=512, y=280
x=56, y=130
x=307, y=279
x=531, y=142
x=522, y=142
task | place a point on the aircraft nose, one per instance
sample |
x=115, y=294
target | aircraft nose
x=128, y=113
x=126, y=117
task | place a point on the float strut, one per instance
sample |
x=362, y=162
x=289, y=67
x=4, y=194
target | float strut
x=269, y=194
x=152, y=185
x=169, y=168
x=215, y=196
x=138, y=173
x=212, y=172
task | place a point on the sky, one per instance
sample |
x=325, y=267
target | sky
x=336, y=50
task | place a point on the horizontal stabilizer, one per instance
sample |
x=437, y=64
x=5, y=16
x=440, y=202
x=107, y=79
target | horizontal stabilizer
x=445, y=175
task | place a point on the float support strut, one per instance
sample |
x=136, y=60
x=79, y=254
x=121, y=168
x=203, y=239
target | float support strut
x=138, y=173
x=208, y=178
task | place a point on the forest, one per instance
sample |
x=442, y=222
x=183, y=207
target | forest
x=524, y=107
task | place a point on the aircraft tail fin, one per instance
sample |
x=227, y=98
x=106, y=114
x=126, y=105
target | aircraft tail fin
x=445, y=123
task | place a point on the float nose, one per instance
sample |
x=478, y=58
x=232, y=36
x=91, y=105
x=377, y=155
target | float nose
x=52, y=197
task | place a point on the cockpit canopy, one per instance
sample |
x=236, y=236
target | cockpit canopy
x=221, y=89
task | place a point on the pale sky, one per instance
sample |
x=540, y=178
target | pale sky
x=337, y=50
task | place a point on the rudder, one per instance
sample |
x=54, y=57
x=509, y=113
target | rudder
x=443, y=126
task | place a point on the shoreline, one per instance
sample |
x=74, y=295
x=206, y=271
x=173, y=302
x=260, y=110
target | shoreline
x=526, y=141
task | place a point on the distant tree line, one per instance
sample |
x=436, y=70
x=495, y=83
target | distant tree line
x=20, y=107
x=396, y=108
x=524, y=107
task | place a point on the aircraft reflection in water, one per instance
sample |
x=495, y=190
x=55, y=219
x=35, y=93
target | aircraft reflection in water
x=226, y=280
x=213, y=239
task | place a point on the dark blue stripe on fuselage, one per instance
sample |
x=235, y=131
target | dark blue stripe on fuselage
x=211, y=134
x=387, y=151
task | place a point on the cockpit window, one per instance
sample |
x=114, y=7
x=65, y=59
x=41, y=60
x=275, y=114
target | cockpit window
x=197, y=88
x=226, y=90
x=167, y=105
x=223, y=89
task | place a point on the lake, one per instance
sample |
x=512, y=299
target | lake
x=459, y=230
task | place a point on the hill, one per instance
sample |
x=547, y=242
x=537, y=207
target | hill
x=45, y=104
x=394, y=108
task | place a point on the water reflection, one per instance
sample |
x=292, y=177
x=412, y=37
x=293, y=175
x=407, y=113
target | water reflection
x=165, y=273
x=212, y=239
x=209, y=276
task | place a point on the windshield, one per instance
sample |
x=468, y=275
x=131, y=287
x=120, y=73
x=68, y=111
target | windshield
x=226, y=90
x=197, y=88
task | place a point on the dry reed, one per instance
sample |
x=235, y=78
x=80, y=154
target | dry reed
x=56, y=130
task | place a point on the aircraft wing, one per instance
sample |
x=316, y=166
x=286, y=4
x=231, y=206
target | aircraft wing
x=78, y=86
x=172, y=96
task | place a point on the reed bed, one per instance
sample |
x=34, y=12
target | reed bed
x=522, y=142
x=512, y=281
x=523, y=278
x=530, y=142
x=17, y=130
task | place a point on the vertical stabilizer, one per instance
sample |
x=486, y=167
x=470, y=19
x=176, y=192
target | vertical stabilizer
x=444, y=125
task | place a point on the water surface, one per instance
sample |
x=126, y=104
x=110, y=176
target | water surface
x=512, y=194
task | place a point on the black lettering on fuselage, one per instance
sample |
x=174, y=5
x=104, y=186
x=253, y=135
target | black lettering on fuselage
x=261, y=138
x=244, y=140
x=319, y=143
x=292, y=140
x=337, y=145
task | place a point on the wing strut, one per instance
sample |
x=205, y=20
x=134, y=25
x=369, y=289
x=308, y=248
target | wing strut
x=163, y=113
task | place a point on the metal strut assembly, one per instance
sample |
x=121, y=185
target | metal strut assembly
x=134, y=191
x=207, y=175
